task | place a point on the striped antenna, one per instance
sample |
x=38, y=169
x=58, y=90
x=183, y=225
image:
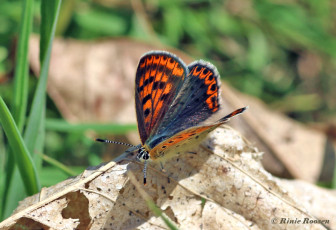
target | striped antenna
x=115, y=142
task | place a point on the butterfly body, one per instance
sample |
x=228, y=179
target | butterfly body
x=175, y=104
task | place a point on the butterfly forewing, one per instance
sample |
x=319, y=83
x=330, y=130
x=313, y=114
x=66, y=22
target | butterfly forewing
x=159, y=77
x=197, y=100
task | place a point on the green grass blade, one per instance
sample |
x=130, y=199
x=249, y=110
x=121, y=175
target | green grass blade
x=19, y=149
x=16, y=192
x=49, y=15
x=58, y=165
x=63, y=126
x=19, y=106
x=51, y=175
x=67, y=10
x=158, y=212
x=3, y=155
x=34, y=132
x=20, y=96
x=151, y=204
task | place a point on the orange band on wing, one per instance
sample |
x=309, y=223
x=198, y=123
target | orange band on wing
x=212, y=102
x=170, y=63
x=159, y=151
x=195, y=72
x=178, y=72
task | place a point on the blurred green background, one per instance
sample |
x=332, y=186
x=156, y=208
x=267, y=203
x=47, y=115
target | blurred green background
x=283, y=52
x=280, y=51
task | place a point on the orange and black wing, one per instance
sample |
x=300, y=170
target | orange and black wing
x=197, y=100
x=159, y=77
x=189, y=135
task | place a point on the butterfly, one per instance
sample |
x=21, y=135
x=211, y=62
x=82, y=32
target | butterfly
x=175, y=105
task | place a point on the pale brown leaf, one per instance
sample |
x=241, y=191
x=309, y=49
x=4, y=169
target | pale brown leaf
x=225, y=172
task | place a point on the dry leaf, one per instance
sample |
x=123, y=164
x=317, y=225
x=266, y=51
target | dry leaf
x=225, y=172
x=291, y=147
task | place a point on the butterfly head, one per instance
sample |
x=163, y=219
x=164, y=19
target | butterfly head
x=143, y=154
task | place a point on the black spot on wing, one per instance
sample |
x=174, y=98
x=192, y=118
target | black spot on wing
x=147, y=98
x=146, y=112
x=155, y=85
x=162, y=85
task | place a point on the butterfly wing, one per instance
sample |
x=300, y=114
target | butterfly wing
x=177, y=141
x=188, y=136
x=159, y=77
x=197, y=100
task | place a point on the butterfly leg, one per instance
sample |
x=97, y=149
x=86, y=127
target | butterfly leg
x=145, y=173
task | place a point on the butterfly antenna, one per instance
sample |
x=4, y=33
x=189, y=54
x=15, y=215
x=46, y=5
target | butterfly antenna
x=114, y=142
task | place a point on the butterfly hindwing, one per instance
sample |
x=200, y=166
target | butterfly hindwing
x=159, y=77
x=177, y=142
x=197, y=100
x=232, y=114
x=188, y=136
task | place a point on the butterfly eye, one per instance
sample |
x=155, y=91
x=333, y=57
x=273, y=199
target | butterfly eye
x=145, y=156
